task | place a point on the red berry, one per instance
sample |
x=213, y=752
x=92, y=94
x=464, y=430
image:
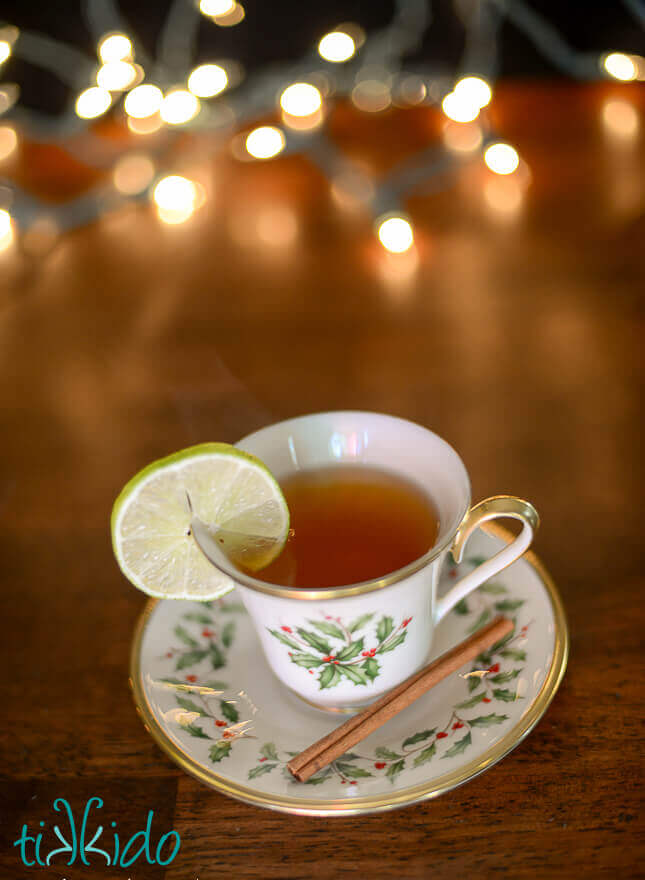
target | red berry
x=221, y=723
x=494, y=668
x=442, y=735
x=407, y=621
x=453, y=572
x=336, y=661
x=169, y=654
x=379, y=765
x=343, y=781
x=310, y=671
x=207, y=633
x=457, y=725
x=227, y=734
x=262, y=759
x=353, y=782
x=365, y=654
x=286, y=629
x=191, y=678
x=486, y=700
x=372, y=652
x=328, y=617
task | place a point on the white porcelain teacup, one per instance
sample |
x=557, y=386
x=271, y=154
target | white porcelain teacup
x=340, y=648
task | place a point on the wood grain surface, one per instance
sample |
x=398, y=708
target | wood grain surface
x=516, y=334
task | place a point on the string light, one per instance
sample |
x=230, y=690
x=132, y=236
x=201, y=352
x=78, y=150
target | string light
x=115, y=47
x=395, y=234
x=231, y=18
x=143, y=101
x=6, y=229
x=216, y=7
x=93, y=102
x=207, y=80
x=620, y=118
x=475, y=90
x=179, y=106
x=5, y=50
x=501, y=158
x=175, y=198
x=116, y=76
x=8, y=140
x=133, y=173
x=337, y=46
x=459, y=107
x=265, y=142
x=620, y=66
x=301, y=99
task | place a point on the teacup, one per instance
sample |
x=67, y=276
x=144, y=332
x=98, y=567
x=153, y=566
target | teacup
x=340, y=648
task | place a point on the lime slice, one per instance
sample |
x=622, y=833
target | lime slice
x=229, y=490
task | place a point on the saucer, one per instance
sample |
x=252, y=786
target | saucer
x=208, y=698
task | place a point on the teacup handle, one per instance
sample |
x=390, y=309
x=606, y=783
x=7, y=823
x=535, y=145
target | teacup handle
x=490, y=508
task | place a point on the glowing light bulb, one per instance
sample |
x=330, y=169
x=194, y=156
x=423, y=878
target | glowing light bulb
x=8, y=140
x=93, y=102
x=620, y=66
x=475, y=90
x=115, y=47
x=143, y=101
x=620, y=118
x=395, y=234
x=175, y=198
x=336, y=46
x=133, y=173
x=6, y=229
x=502, y=158
x=207, y=80
x=460, y=107
x=179, y=107
x=265, y=142
x=216, y=7
x=116, y=76
x=5, y=50
x=301, y=99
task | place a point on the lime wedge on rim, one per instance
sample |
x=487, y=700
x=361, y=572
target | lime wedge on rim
x=227, y=489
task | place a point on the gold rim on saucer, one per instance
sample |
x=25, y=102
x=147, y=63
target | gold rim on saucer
x=380, y=803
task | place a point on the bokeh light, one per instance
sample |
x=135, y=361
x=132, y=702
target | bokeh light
x=234, y=16
x=371, y=96
x=337, y=46
x=133, y=173
x=462, y=137
x=460, y=107
x=620, y=66
x=620, y=118
x=143, y=101
x=116, y=76
x=475, y=90
x=93, y=102
x=6, y=229
x=175, y=198
x=265, y=142
x=301, y=99
x=501, y=158
x=8, y=140
x=179, y=106
x=5, y=50
x=216, y=7
x=115, y=47
x=207, y=80
x=504, y=196
x=395, y=234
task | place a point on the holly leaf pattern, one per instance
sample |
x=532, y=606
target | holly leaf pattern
x=260, y=770
x=194, y=730
x=319, y=777
x=308, y=661
x=329, y=629
x=281, y=637
x=474, y=682
x=426, y=755
x=229, y=711
x=503, y=677
x=384, y=628
x=360, y=622
x=350, y=651
x=418, y=737
x=462, y=607
x=509, y=604
x=388, y=754
x=353, y=673
x=393, y=643
x=476, y=560
x=394, y=769
x=314, y=640
x=460, y=746
x=371, y=668
x=472, y=701
x=481, y=620
x=216, y=656
x=217, y=685
x=505, y=695
x=513, y=654
x=184, y=636
x=190, y=658
x=351, y=771
x=493, y=589
x=269, y=750
x=219, y=750
x=487, y=720
x=329, y=677
x=198, y=617
x=227, y=633
x=191, y=706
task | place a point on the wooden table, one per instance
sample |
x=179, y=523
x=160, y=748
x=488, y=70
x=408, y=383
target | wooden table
x=515, y=336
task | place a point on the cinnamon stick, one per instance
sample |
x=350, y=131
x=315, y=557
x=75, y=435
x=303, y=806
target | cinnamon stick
x=357, y=728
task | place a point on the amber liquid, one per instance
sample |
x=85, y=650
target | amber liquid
x=351, y=523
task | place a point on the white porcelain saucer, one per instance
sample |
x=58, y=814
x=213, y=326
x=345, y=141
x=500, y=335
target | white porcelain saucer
x=207, y=697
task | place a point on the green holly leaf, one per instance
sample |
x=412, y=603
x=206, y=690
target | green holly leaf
x=171, y=680
x=481, y=620
x=394, y=769
x=451, y=562
x=350, y=651
x=371, y=668
x=509, y=604
x=473, y=683
x=502, y=642
x=353, y=673
x=320, y=777
x=487, y=720
x=190, y=706
x=462, y=607
x=198, y=617
x=189, y=658
x=388, y=754
x=329, y=629
x=505, y=695
x=484, y=659
x=260, y=770
x=503, y=677
x=426, y=755
x=493, y=589
x=308, y=661
x=219, y=750
x=194, y=730
x=418, y=737
x=351, y=771
x=184, y=636
x=394, y=643
x=472, y=701
x=269, y=750
x=216, y=656
x=513, y=654
x=217, y=685
x=329, y=677
x=360, y=622
x=281, y=637
x=476, y=560
x=384, y=628
x=228, y=632
x=315, y=641
x=460, y=746
x=229, y=711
